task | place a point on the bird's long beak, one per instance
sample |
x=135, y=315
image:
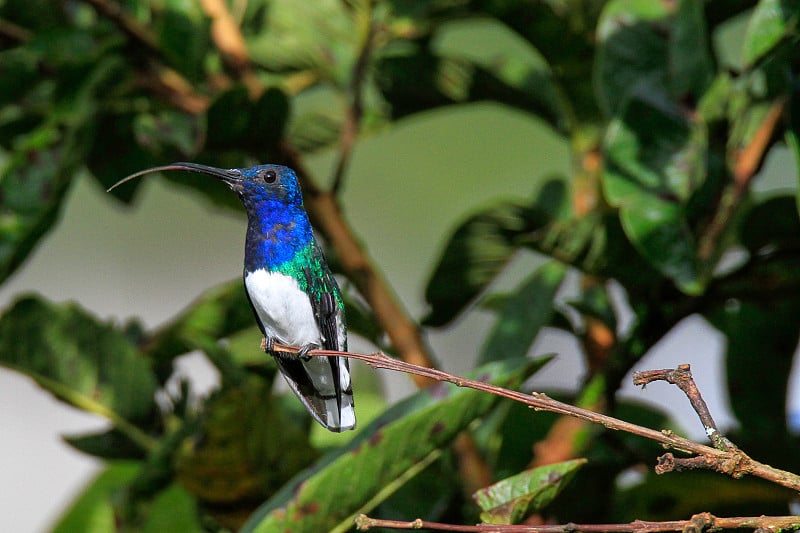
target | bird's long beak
x=230, y=176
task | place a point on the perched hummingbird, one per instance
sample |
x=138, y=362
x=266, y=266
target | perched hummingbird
x=292, y=292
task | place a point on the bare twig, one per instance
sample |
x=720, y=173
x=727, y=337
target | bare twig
x=682, y=377
x=698, y=523
x=733, y=462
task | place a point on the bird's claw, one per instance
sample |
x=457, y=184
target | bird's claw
x=268, y=344
x=303, y=353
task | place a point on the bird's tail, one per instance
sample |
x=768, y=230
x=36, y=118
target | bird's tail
x=323, y=385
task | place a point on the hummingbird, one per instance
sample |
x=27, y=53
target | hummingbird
x=291, y=290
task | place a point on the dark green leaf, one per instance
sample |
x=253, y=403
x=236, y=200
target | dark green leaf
x=183, y=36
x=93, y=510
x=655, y=161
x=665, y=497
x=173, y=509
x=523, y=315
x=423, y=80
x=690, y=66
x=513, y=499
x=596, y=244
x=228, y=119
x=475, y=254
x=771, y=22
x=762, y=337
x=82, y=361
x=219, y=313
x=247, y=445
x=383, y=456
x=167, y=135
x=771, y=226
x=36, y=176
x=651, y=46
x=111, y=444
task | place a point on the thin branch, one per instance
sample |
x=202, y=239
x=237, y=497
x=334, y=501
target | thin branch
x=682, y=377
x=734, y=462
x=698, y=523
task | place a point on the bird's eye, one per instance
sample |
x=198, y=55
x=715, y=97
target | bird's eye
x=270, y=176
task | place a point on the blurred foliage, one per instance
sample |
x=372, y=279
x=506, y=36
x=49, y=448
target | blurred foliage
x=667, y=140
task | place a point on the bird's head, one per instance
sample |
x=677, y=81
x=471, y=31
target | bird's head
x=256, y=186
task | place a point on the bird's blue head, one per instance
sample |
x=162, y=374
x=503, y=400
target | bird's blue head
x=257, y=186
x=277, y=223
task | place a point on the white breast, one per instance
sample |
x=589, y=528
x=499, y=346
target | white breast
x=282, y=307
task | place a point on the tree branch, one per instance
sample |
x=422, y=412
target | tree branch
x=733, y=462
x=682, y=377
x=747, y=162
x=698, y=523
x=230, y=42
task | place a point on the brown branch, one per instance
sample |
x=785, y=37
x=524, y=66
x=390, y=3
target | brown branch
x=160, y=79
x=734, y=462
x=230, y=42
x=682, y=377
x=698, y=523
x=747, y=162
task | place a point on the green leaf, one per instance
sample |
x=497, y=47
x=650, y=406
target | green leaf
x=219, y=313
x=422, y=80
x=93, y=510
x=174, y=509
x=665, y=497
x=523, y=315
x=655, y=161
x=595, y=244
x=111, y=444
x=248, y=444
x=473, y=257
x=513, y=499
x=235, y=122
x=771, y=226
x=691, y=67
x=80, y=360
x=771, y=22
x=183, y=37
x=761, y=340
x=651, y=46
x=36, y=177
x=383, y=456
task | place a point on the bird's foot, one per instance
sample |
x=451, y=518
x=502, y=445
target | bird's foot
x=303, y=353
x=268, y=344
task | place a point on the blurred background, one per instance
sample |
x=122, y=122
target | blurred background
x=410, y=183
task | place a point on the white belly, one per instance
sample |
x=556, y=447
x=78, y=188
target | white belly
x=284, y=309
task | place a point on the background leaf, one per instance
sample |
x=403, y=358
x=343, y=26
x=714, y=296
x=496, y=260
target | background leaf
x=84, y=362
x=513, y=499
x=380, y=454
